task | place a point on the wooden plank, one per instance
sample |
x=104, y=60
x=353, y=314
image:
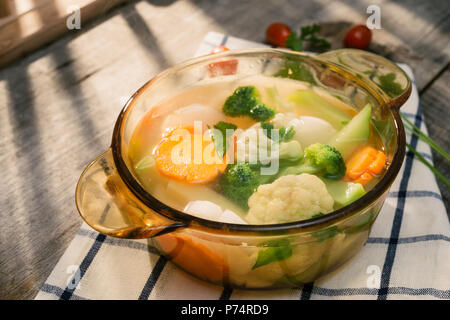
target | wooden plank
x=12, y=9
x=5, y=8
x=435, y=107
x=59, y=104
x=29, y=28
x=414, y=32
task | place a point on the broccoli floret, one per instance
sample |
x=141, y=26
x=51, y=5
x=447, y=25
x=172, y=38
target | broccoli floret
x=320, y=159
x=240, y=181
x=241, y=101
x=246, y=101
x=261, y=112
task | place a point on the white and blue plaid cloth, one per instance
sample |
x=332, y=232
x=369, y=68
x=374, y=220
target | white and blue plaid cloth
x=407, y=255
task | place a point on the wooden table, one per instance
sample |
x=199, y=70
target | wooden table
x=59, y=104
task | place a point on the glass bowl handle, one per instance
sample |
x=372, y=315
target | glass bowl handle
x=384, y=77
x=108, y=206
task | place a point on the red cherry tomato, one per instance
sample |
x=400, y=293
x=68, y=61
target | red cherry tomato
x=277, y=33
x=358, y=37
x=222, y=68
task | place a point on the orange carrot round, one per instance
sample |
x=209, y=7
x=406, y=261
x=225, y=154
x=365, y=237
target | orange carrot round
x=194, y=256
x=365, y=164
x=184, y=155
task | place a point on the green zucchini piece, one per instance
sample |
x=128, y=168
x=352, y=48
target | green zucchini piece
x=309, y=103
x=356, y=132
x=344, y=192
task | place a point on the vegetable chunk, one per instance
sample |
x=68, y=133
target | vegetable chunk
x=344, y=192
x=365, y=164
x=308, y=130
x=289, y=198
x=240, y=181
x=175, y=157
x=309, y=103
x=246, y=101
x=355, y=133
x=319, y=159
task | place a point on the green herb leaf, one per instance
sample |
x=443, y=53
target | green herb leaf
x=320, y=214
x=284, y=134
x=287, y=134
x=316, y=43
x=361, y=225
x=422, y=136
x=429, y=165
x=267, y=127
x=297, y=70
x=303, y=277
x=388, y=84
x=327, y=233
x=220, y=137
x=223, y=126
x=308, y=36
x=416, y=131
x=294, y=42
x=278, y=250
x=309, y=30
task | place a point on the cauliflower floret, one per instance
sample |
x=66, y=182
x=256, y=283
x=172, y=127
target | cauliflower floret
x=209, y=210
x=283, y=119
x=289, y=198
x=308, y=130
x=253, y=145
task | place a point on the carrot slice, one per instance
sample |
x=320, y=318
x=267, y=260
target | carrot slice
x=364, y=164
x=378, y=164
x=194, y=256
x=364, y=178
x=183, y=155
x=222, y=68
x=220, y=49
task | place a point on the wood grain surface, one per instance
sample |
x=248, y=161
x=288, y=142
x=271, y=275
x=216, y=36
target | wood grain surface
x=59, y=104
x=33, y=23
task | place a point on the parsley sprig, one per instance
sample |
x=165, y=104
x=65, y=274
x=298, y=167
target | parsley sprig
x=386, y=82
x=307, y=39
x=220, y=134
x=284, y=134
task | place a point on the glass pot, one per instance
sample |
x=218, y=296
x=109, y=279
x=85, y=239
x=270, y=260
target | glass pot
x=112, y=201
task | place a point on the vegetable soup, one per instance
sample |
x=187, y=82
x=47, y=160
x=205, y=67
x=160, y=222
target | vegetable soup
x=258, y=150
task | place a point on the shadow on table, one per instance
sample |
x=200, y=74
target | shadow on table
x=25, y=194
x=161, y=3
x=146, y=37
x=239, y=20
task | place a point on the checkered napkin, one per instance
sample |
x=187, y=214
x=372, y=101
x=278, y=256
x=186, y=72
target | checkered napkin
x=406, y=257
